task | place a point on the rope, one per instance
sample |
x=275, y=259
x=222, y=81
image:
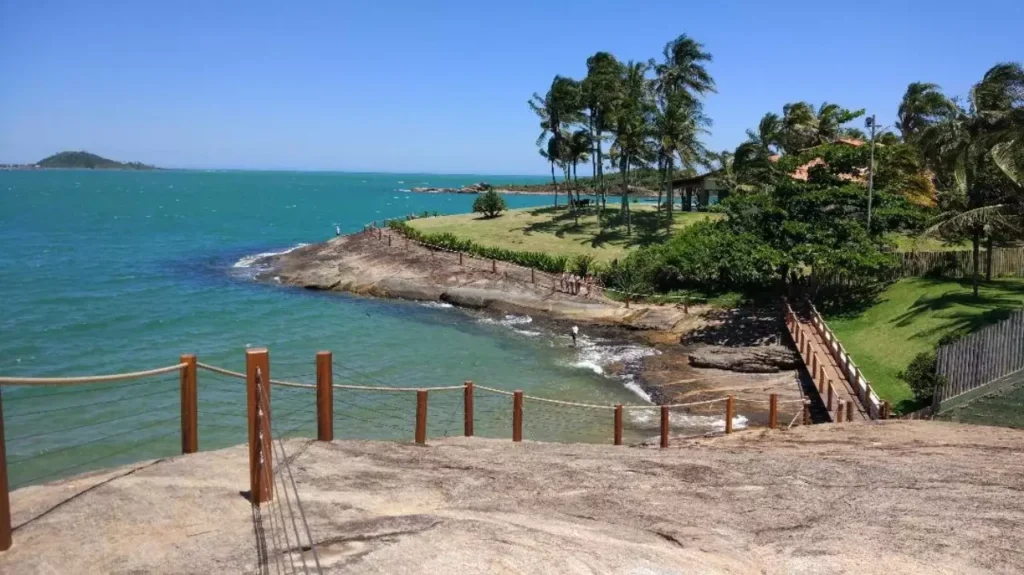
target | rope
x=89, y=378
x=387, y=388
x=596, y=405
x=569, y=403
x=220, y=370
x=674, y=405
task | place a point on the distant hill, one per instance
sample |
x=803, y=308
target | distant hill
x=89, y=161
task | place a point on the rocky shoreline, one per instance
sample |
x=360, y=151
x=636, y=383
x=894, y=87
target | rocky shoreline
x=379, y=266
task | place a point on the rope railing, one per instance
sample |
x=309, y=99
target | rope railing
x=122, y=418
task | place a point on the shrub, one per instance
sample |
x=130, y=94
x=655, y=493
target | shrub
x=921, y=376
x=581, y=265
x=490, y=204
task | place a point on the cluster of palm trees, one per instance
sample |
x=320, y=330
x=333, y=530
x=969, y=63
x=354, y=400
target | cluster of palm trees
x=975, y=149
x=650, y=112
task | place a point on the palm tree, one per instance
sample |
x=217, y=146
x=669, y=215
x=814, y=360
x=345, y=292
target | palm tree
x=961, y=144
x=577, y=150
x=600, y=95
x=683, y=69
x=631, y=128
x=922, y=105
x=681, y=81
x=676, y=128
x=557, y=109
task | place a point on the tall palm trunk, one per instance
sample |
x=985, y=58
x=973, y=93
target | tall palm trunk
x=975, y=246
x=988, y=258
x=554, y=182
x=576, y=204
x=661, y=170
x=600, y=173
x=668, y=191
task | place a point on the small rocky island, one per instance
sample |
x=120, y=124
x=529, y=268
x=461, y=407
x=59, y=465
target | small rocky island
x=467, y=189
x=78, y=161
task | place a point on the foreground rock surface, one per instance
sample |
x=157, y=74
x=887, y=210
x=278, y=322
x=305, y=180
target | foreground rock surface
x=892, y=497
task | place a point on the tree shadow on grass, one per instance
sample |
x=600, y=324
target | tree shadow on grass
x=985, y=309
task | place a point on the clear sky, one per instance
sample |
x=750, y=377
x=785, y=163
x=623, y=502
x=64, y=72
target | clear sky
x=437, y=86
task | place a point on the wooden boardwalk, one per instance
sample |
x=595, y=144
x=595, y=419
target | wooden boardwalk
x=841, y=398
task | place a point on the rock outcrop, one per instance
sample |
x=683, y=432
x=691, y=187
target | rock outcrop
x=752, y=359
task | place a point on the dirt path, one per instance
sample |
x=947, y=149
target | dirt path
x=890, y=497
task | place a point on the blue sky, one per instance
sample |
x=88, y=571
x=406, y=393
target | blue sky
x=437, y=86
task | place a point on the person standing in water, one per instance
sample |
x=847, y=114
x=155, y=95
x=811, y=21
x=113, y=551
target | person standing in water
x=337, y=230
x=575, y=332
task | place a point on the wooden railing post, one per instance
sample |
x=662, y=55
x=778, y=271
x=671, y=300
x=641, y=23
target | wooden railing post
x=664, y=426
x=189, y=403
x=839, y=411
x=533, y=278
x=849, y=410
x=325, y=396
x=730, y=410
x=5, y=496
x=460, y=258
x=494, y=266
x=807, y=412
x=773, y=411
x=885, y=410
x=618, y=424
x=468, y=409
x=517, y=415
x=421, y=416
x=831, y=395
x=257, y=386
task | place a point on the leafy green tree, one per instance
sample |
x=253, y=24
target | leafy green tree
x=923, y=105
x=577, y=151
x=600, y=94
x=631, y=128
x=559, y=108
x=681, y=80
x=961, y=146
x=490, y=204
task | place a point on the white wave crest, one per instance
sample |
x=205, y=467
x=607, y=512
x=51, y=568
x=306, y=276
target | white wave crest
x=508, y=321
x=249, y=261
x=684, y=423
x=436, y=304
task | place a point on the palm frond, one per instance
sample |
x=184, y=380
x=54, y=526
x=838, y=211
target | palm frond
x=951, y=223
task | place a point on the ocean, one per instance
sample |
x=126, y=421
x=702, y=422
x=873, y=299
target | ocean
x=105, y=272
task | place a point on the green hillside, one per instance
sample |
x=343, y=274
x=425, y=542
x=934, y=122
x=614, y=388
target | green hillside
x=86, y=160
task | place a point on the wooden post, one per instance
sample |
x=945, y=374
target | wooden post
x=5, y=497
x=468, y=409
x=664, y=426
x=380, y=235
x=807, y=412
x=627, y=301
x=494, y=266
x=189, y=403
x=261, y=468
x=533, y=278
x=325, y=396
x=831, y=395
x=421, y=416
x=389, y=240
x=517, y=415
x=773, y=411
x=460, y=258
x=618, y=424
x=885, y=410
x=839, y=411
x=730, y=410
x=849, y=410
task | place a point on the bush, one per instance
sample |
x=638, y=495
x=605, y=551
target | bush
x=581, y=265
x=490, y=204
x=921, y=376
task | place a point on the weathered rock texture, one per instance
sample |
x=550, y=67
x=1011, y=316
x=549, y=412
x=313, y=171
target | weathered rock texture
x=762, y=359
x=887, y=498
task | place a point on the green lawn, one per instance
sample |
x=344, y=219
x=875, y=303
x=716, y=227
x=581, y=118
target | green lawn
x=554, y=231
x=910, y=317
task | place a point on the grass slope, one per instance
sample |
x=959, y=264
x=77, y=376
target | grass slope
x=554, y=232
x=910, y=317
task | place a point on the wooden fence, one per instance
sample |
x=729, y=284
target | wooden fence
x=959, y=264
x=977, y=364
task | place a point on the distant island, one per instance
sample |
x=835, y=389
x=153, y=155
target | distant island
x=79, y=160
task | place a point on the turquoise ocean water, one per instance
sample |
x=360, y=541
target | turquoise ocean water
x=104, y=272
